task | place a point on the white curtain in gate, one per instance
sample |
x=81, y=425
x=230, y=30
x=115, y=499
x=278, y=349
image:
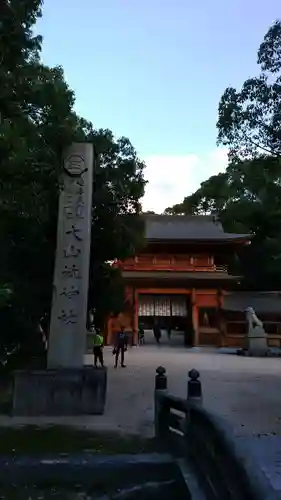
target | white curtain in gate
x=146, y=306
x=179, y=307
x=162, y=306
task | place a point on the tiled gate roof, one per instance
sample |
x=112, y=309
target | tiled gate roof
x=192, y=227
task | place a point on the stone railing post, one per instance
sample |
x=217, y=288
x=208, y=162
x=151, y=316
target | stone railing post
x=194, y=396
x=161, y=381
x=194, y=388
x=160, y=408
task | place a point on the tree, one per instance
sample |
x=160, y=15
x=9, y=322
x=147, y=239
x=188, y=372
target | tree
x=247, y=197
x=249, y=124
x=209, y=198
x=117, y=231
x=37, y=123
x=249, y=121
x=5, y=294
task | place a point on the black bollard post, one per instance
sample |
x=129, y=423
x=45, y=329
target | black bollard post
x=160, y=418
x=161, y=379
x=194, y=388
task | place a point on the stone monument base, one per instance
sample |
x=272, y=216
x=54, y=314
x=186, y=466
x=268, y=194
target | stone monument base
x=269, y=353
x=60, y=392
x=257, y=342
x=253, y=353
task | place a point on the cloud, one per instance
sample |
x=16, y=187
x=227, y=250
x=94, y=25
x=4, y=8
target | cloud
x=171, y=178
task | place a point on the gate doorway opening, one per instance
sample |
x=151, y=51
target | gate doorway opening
x=173, y=314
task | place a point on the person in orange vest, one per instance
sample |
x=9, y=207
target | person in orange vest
x=98, y=347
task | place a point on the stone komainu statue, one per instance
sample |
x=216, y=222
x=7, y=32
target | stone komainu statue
x=252, y=319
x=256, y=337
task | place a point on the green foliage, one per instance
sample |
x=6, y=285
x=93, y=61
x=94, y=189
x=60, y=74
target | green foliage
x=247, y=197
x=5, y=294
x=118, y=187
x=117, y=231
x=107, y=291
x=249, y=121
x=37, y=123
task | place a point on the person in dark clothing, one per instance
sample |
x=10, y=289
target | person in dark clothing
x=157, y=333
x=169, y=332
x=141, y=335
x=120, y=346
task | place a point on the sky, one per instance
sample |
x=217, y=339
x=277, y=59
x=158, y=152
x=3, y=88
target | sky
x=154, y=71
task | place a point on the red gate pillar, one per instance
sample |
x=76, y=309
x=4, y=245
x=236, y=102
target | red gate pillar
x=195, y=319
x=136, y=318
x=109, y=332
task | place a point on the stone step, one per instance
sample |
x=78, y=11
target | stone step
x=131, y=477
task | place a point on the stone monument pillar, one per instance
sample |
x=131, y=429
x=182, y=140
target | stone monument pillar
x=67, y=387
x=67, y=340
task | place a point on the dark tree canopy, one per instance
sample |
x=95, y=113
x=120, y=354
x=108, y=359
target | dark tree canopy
x=247, y=197
x=249, y=121
x=37, y=122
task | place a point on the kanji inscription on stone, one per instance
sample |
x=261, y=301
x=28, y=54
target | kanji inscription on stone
x=68, y=317
x=80, y=207
x=71, y=251
x=67, y=341
x=76, y=232
x=70, y=293
x=71, y=272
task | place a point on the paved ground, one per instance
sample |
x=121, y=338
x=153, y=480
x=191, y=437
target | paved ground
x=247, y=391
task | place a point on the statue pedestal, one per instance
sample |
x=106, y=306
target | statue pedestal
x=60, y=392
x=257, y=342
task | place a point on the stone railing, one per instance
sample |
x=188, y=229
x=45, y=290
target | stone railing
x=206, y=442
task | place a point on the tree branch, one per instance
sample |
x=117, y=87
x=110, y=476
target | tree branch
x=263, y=148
